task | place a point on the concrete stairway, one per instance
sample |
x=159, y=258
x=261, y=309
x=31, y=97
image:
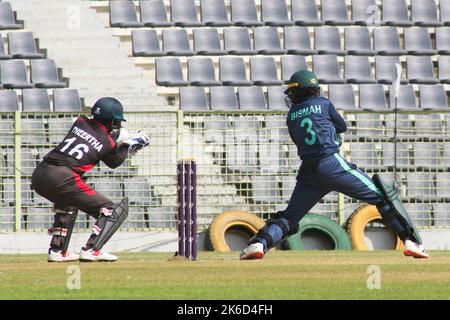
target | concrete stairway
x=89, y=55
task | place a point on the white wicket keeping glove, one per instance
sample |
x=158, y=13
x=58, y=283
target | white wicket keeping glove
x=136, y=142
x=122, y=136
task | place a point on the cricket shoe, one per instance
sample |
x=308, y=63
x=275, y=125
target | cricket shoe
x=415, y=250
x=60, y=256
x=92, y=255
x=253, y=251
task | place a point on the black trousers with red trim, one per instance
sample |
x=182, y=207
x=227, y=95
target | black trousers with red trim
x=65, y=189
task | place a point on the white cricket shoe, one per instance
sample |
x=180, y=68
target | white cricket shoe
x=96, y=255
x=59, y=256
x=253, y=251
x=415, y=250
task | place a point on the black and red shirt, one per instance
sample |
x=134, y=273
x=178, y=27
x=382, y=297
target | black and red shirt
x=87, y=143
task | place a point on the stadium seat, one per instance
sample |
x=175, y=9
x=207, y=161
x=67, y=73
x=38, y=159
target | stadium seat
x=110, y=187
x=405, y=129
x=34, y=127
x=443, y=40
x=357, y=70
x=237, y=41
x=7, y=132
x=420, y=70
x=387, y=42
x=441, y=214
x=153, y=14
x=223, y=99
x=7, y=20
x=265, y=189
x=35, y=100
x=66, y=100
x=395, y=13
x=22, y=46
x=385, y=69
x=297, y=40
x=364, y=12
x=424, y=13
x=58, y=129
x=342, y=96
x=365, y=155
x=327, y=41
x=304, y=13
x=433, y=97
x=29, y=156
x=122, y=14
x=274, y=13
x=444, y=7
x=444, y=69
x=420, y=213
x=372, y=97
x=357, y=41
x=420, y=185
x=169, y=72
x=291, y=64
x=138, y=190
x=326, y=69
x=8, y=101
x=428, y=124
x=251, y=99
x=443, y=185
x=145, y=43
x=214, y=13
x=426, y=155
x=334, y=12
x=404, y=158
x=406, y=98
x=193, y=99
x=276, y=98
x=176, y=42
x=418, y=42
x=243, y=13
x=267, y=41
x=3, y=54
x=271, y=159
x=207, y=42
x=184, y=13
x=44, y=74
x=201, y=72
x=263, y=72
x=14, y=75
x=232, y=72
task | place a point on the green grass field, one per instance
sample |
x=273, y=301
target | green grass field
x=280, y=275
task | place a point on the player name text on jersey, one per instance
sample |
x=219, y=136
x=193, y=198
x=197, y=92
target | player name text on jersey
x=86, y=136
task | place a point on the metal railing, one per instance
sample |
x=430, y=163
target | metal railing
x=246, y=161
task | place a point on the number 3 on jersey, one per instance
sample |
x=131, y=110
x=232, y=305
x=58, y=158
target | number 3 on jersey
x=78, y=151
x=309, y=140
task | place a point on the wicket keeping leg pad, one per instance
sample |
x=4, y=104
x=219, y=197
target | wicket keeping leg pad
x=285, y=225
x=63, y=225
x=396, y=209
x=118, y=216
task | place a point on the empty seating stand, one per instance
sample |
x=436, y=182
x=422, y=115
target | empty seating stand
x=243, y=13
x=7, y=19
x=14, y=75
x=169, y=72
x=153, y=14
x=395, y=13
x=232, y=71
x=8, y=101
x=334, y=12
x=201, y=72
x=297, y=40
x=44, y=74
x=35, y=100
x=193, y=99
x=207, y=42
x=214, y=13
x=184, y=13
x=145, y=43
x=122, y=14
x=66, y=100
x=274, y=13
x=22, y=45
x=304, y=13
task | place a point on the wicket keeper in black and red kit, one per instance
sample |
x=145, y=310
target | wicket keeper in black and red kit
x=59, y=178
